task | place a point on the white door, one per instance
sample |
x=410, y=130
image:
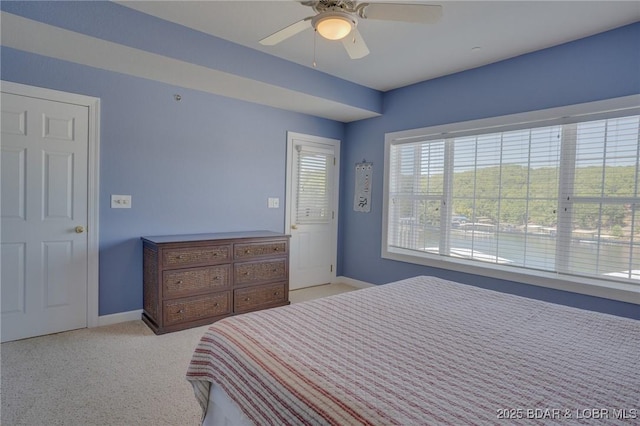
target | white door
x=44, y=216
x=312, y=200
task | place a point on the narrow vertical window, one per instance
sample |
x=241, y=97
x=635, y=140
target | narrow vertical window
x=313, y=184
x=416, y=191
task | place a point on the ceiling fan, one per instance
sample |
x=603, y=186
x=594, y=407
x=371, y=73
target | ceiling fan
x=338, y=20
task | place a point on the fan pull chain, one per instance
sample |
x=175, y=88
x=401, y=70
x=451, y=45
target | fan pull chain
x=315, y=37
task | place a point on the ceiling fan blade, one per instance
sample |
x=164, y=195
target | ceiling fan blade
x=286, y=32
x=355, y=45
x=417, y=13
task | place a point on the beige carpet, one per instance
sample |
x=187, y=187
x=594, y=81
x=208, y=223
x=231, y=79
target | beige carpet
x=115, y=375
x=121, y=374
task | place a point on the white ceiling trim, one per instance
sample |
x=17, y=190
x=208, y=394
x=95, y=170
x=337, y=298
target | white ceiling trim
x=29, y=35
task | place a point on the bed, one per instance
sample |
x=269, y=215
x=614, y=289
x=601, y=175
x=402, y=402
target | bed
x=418, y=351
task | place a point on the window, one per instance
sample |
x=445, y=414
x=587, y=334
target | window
x=313, y=185
x=554, y=196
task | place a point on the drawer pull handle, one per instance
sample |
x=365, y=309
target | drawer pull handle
x=246, y=299
x=276, y=293
x=181, y=256
x=245, y=273
x=215, y=305
x=247, y=251
x=276, y=249
x=181, y=311
x=179, y=282
x=215, y=254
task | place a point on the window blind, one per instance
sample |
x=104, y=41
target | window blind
x=604, y=199
x=313, y=187
x=560, y=198
x=416, y=189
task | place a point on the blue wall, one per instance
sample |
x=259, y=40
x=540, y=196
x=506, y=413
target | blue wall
x=209, y=163
x=595, y=68
x=204, y=164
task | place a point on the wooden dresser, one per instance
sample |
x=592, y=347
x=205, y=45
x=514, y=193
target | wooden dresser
x=193, y=280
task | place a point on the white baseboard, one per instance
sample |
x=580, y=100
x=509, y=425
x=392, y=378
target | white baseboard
x=353, y=283
x=119, y=317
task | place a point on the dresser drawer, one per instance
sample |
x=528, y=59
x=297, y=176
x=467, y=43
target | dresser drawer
x=257, y=272
x=252, y=250
x=184, y=282
x=183, y=257
x=191, y=280
x=193, y=308
x=249, y=298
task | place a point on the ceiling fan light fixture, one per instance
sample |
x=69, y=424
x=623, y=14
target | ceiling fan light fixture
x=333, y=25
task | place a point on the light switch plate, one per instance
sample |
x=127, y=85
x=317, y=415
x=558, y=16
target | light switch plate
x=120, y=201
x=274, y=203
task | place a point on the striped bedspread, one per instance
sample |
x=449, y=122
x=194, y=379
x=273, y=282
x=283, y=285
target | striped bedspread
x=423, y=351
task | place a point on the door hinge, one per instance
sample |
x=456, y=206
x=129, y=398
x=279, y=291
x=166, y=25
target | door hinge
x=333, y=215
x=331, y=268
x=334, y=161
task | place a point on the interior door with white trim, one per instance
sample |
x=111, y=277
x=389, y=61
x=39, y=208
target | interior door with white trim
x=312, y=209
x=44, y=216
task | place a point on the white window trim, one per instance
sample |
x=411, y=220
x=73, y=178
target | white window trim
x=625, y=292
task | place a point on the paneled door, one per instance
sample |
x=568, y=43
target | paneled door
x=44, y=216
x=312, y=200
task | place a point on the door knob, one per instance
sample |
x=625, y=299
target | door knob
x=79, y=229
x=294, y=226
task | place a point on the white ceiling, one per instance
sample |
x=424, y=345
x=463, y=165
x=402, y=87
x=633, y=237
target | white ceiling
x=470, y=34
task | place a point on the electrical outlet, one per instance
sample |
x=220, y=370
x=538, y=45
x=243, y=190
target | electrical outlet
x=120, y=201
